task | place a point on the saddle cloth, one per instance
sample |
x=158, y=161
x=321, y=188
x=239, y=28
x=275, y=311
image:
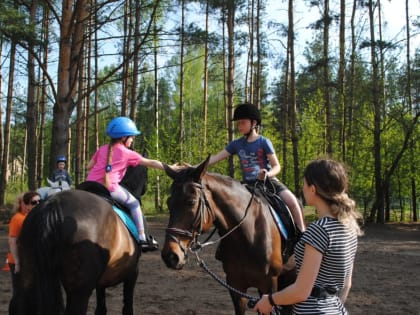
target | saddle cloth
x=281, y=215
x=129, y=223
x=280, y=225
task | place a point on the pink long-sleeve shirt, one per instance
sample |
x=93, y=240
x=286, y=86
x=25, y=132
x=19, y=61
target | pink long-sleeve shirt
x=122, y=157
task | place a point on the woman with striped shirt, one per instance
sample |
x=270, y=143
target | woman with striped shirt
x=326, y=251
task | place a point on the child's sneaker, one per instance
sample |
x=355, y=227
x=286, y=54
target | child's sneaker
x=149, y=245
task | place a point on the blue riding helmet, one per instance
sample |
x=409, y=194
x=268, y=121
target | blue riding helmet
x=61, y=158
x=121, y=127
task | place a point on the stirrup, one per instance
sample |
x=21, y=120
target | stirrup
x=149, y=245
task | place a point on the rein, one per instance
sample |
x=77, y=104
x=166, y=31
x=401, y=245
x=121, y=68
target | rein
x=252, y=300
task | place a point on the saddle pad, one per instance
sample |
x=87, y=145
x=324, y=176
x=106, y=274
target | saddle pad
x=129, y=223
x=280, y=225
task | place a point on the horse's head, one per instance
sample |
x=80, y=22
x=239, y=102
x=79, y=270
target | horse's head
x=189, y=213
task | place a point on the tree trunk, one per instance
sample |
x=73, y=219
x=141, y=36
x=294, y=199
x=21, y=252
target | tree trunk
x=249, y=77
x=181, y=137
x=82, y=103
x=285, y=104
x=292, y=98
x=96, y=104
x=230, y=73
x=205, y=81
x=43, y=97
x=158, y=203
x=31, y=109
x=348, y=110
x=378, y=206
x=73, y=24
x=387, y=199
x=258, y=68
x=382, y=94
x=341, y=72
x=136, y=62
x=7, y=122
x=127, y=53
x=1, y=112
x=326, y=78
x=410, y=105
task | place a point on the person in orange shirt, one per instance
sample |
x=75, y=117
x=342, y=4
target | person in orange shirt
x=23, y=204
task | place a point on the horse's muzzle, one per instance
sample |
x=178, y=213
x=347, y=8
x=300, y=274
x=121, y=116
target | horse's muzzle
x=173, y=255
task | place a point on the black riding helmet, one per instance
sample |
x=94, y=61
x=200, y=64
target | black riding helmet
x=247, y=111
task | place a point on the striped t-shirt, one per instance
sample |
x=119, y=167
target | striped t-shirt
x=338, y=246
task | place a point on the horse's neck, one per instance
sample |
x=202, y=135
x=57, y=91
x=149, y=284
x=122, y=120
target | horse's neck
x=230, y=201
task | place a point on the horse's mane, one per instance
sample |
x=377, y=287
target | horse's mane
x=225, y=179
x=135, y=180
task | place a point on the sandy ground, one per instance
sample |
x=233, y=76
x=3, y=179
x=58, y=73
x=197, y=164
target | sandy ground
x=386, y=278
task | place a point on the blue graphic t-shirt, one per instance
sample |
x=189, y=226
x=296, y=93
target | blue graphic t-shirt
x=252, y=156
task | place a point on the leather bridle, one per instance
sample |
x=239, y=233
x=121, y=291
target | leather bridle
x=204, y=211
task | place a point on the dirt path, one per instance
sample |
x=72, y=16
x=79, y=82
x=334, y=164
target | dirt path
x=386, y=278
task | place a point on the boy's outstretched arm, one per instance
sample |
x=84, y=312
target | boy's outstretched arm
x=218, y=157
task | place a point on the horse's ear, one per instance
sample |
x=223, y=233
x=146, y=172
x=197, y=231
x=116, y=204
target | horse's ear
x=201, y=169
x=170, y=171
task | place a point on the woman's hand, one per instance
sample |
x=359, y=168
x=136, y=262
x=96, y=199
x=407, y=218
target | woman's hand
x=263, y=305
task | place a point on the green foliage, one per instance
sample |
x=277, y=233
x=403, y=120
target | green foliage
x=14, y=24
x=312, y=122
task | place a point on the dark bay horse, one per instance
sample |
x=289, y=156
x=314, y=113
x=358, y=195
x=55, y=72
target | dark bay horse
x=251, y=245
x=75, y=241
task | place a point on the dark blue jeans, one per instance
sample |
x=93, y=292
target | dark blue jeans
x=13, y=307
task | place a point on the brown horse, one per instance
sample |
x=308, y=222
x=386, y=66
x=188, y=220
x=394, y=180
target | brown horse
x=251, y=245
x=76, y=241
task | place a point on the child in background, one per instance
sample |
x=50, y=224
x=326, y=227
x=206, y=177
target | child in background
x=60, y=173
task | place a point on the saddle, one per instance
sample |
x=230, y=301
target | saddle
x=99, y=190
x=284, y=217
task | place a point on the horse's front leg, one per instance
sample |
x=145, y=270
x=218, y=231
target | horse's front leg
x=239, y=303
x=128, y=294
x=100, y=301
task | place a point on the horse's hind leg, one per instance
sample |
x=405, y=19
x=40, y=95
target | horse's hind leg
x=77, y=302
x=100, y=302
x=128, y=294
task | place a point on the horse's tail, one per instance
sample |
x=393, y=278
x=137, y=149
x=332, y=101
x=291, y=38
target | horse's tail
x=40, y=252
